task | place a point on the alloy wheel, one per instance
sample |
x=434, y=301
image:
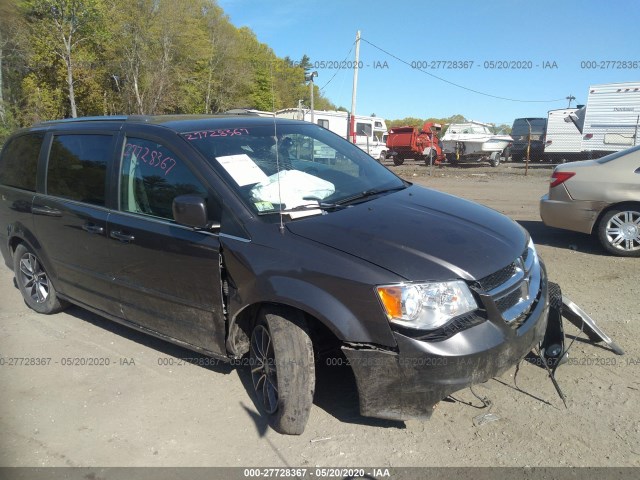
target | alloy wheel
x=263, y=368
x=34, y=278
x=623, y=231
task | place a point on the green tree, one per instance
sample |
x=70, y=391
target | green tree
x=14, y=68
x=59, y=27
x=418, y=122
x=89, y=57
x=305, y=64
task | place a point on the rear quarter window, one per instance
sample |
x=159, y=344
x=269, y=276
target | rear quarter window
x=19, y=161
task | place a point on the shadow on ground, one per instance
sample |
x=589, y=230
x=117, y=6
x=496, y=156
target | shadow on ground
x=163, y=346
x=565, y=239
x=336, y=390
x=336, y=393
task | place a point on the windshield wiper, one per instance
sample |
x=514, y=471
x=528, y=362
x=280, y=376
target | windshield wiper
x=369, y=193
x=319, y=205
x=311, y=206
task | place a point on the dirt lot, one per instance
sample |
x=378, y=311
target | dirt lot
x=140, y=411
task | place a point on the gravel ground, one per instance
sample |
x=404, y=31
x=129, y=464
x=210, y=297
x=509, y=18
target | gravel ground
x=139, y=411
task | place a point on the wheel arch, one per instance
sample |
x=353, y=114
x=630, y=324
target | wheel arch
x=608, y=208
x=24, y=236
x=319, y=307
x=19, y=234
x=322, y=336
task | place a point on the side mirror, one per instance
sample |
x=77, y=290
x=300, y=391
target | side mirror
x=191, y=210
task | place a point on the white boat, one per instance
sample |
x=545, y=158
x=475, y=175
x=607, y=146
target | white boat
x=473, y=138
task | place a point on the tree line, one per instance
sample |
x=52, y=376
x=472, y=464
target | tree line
x=68, y=58
x=445, y=122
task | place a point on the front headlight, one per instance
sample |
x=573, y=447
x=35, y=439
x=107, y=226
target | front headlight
x=426, y=306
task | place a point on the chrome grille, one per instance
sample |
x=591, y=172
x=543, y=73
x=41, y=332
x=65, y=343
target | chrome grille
x=498, y=278
x=515, y=288
x=508, y=300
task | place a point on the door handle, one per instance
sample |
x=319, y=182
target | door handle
x=46, y=211
x=123, y=237
x=91, y=228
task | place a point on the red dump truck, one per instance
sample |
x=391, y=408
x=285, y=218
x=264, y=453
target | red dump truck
x=419, y=144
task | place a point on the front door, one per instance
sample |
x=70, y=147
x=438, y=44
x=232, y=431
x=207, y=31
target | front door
x=168, y=274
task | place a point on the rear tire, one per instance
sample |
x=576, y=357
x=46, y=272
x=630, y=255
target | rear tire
x=34, y=282
x=397, y=161
x=619, y=231
x=430, y=161
x=283, y=369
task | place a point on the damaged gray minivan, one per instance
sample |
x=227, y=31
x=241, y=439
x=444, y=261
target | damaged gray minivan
x=273, y=240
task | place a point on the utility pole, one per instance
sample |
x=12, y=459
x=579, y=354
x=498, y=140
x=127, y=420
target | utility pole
x=526, y=168
x=570, y=98
x=355, y=88
x=309, y=77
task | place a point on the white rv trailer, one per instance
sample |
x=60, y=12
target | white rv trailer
x=563, y=141
x=249, y=111
x=370, y=131
x=612, y=118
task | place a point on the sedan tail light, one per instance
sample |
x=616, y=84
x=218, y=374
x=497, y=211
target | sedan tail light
x=560, y=177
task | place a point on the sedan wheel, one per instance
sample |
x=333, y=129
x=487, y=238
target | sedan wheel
x=619, y=232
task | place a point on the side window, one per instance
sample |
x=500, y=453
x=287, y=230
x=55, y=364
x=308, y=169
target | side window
x=78, y=167
x=151, y=177
x=19, y=161
x=323, y=123
x=364, y=129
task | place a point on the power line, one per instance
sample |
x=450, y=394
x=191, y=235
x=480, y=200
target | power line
x=338, y=70
x=456, y=84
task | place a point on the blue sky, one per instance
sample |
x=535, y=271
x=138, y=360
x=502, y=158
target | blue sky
x=567, y=32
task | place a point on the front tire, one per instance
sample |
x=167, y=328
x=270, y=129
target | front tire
x=34, y=282
x=619, y=231
x=397, y=160
x=283, y=369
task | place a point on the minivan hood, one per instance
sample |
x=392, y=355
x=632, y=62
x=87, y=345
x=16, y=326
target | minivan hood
x=420, y=234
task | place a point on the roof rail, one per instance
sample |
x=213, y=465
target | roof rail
x=98, y=118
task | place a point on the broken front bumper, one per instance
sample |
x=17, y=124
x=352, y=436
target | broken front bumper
x=408, y=383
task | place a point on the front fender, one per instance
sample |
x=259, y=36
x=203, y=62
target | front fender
x=345, y=324
x=334, y=287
